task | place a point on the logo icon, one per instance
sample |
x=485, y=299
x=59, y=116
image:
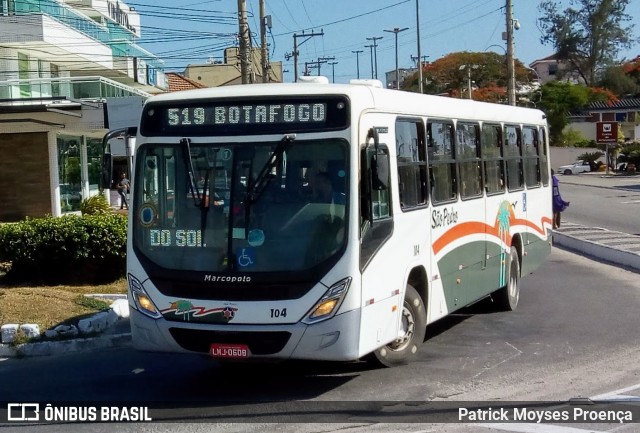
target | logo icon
x=23, y=412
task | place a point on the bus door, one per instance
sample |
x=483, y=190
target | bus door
x=381, y=263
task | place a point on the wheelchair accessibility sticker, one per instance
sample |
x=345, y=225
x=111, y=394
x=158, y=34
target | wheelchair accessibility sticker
x=246, y=257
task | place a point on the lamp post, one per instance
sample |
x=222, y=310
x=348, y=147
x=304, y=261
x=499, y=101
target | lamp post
x=375, y=51
x=357, y=53
x=333, y=71
x=397, y=30
x=419, y=54
x=371, y=55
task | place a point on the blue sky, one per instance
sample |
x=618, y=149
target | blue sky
x=191, y=31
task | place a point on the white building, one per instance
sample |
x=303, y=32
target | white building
x=61, y=61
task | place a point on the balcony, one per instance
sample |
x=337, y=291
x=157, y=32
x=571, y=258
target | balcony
x=26, y=95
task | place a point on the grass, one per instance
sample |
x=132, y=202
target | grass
x=48, y=306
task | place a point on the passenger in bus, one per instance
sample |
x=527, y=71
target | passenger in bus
x=559, y=205
x=323, y=191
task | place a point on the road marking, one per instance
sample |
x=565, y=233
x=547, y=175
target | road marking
x=617, y=393
x=631, y=202
x=535, y=428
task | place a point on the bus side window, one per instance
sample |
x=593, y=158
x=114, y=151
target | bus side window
x=443, y=165
x=412, y=163
x=544, y=157
x=491, y=152
x=513, y=156
x=530, y=156
x=467, y=155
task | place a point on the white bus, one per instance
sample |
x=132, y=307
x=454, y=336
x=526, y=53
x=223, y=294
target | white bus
x=328, y=222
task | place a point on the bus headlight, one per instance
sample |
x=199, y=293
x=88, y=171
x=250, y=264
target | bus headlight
x=328, y=305
x=143, y=302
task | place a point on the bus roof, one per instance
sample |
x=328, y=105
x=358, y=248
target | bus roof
x=365, y=97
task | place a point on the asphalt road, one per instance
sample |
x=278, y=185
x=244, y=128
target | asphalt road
x=574, y=335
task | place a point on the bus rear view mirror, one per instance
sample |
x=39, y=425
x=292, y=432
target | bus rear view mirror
x=380, y=171
x=107, y=169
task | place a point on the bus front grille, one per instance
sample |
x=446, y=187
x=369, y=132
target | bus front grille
x=259, y=343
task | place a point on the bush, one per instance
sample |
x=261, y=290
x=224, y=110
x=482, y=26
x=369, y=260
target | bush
x=68, y=249
x=95, y=205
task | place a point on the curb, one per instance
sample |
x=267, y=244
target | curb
x=615, y=248
x=47, y=348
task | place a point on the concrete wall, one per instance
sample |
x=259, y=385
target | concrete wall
x=24, y=176
x=567, y=155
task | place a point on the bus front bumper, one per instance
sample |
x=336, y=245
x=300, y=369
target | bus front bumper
x=335, y=339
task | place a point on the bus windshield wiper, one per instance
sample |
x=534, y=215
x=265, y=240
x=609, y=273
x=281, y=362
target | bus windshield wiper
x=193, y=189
x=257, y=187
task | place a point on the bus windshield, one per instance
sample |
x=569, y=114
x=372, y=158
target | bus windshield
x=241, y=207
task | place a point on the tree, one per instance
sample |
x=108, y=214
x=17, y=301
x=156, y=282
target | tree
x=619, y=82
x=589, y=34
x=450, y=75
x=558, y=99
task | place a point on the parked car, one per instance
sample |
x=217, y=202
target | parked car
x=579, y=166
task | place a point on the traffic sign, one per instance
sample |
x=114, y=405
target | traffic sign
x=607, y=132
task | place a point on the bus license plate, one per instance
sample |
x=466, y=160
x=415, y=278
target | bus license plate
x=235, y=351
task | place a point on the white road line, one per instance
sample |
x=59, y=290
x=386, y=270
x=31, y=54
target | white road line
x=536, y=428
x=613, y=394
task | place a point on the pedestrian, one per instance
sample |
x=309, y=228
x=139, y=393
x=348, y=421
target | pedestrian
x=123, y=190
x=559, y=205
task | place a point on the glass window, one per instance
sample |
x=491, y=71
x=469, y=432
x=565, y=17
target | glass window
x=24, y=74
x=227, y=209
x=69, y=173
x=491, y=151
x=530, y=157
x=412, y=163
x=467, y=154
x=544, y=157
x=512, y=155
x=441, y=161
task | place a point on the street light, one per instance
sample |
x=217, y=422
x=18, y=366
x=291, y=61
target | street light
x=468, y=67
x=375, y=50
x=333, y=71
x=397, y=30
x=357, y=53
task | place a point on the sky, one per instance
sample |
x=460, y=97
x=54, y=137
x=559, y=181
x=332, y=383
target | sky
x=184, y=32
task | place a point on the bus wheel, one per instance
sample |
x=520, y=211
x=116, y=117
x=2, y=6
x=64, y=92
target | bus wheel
x=413, y=325
x=507, y=297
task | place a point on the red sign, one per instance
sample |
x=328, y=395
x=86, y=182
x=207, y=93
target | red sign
x=607, y=132
x=237, y=351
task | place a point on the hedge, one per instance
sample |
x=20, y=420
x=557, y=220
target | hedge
x=69, y=249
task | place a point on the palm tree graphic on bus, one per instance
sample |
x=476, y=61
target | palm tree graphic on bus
x=504, y=213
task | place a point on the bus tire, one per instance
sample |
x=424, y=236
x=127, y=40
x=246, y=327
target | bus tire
x=507, y=297
x=414, y=325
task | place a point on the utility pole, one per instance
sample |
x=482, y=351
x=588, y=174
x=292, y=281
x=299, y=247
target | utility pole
x=333, y=71
x=245, y=43
x=419, y=54
x=371, y=55
x=295, y=53
x=323, y=60
x=511, y=77
x=397, y=30
x=357, y=53
x=375, y=50
x=264, y=23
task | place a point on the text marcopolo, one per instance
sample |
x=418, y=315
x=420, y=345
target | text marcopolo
x=576, y=414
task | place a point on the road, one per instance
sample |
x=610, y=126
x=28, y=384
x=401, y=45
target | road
x=600, y=201
x=574, y=335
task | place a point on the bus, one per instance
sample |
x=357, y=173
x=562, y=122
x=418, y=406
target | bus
x=236, y=250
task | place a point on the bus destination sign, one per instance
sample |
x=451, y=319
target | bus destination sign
x=215, y=117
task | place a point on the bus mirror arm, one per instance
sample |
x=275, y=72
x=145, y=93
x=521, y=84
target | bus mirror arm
x=379, y=162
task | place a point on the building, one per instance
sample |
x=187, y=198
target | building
x=64, y=68
x=551, y=68
x=626, y=112
x=390, y=76
x=227, y=72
